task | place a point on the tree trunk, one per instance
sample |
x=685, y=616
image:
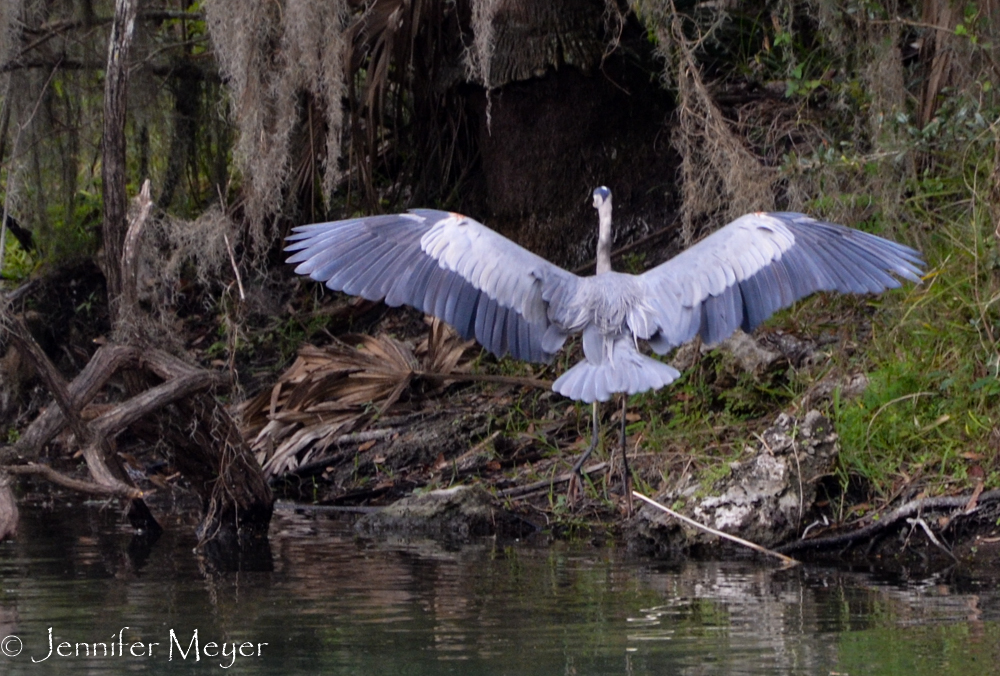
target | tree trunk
x=113, y=149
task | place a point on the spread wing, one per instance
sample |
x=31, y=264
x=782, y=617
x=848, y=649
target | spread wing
x=443, y=264
x=740, y=275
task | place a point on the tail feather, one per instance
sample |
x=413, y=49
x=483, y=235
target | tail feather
x=628, y=371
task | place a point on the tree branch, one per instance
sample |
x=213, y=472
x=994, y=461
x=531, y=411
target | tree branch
x=46, y=32
x=55, y=477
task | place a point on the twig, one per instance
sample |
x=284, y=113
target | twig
x=232, y=259
x=521, y=491
x=738, y=540
x=19, y=293
x=286, y=506
x=483, y=378
x=930, y=535
x=366, y=435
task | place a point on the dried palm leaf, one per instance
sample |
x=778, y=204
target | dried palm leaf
x=443, y=349
x=329, y=392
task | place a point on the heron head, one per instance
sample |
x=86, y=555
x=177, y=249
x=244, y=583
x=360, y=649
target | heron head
x=601, y=195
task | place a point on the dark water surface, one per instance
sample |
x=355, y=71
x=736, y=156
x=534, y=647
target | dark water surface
x=336, y=605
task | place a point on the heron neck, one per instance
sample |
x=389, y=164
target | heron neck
x=604, y=241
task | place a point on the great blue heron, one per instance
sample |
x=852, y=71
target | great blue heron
x=517, y=303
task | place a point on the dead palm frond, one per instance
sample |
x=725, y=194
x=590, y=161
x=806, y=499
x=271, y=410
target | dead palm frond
x=331, y=391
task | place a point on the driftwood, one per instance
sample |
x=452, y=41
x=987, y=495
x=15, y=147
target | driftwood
x=210, y=453
x=965, y=503
x=61, y=479
x=95, y=445
x=105, y=362
x=787, y=560
x=209, y=450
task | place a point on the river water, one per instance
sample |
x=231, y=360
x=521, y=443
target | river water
x=78, y=597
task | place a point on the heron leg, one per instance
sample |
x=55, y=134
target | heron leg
x=575, y=491
x=626, y=475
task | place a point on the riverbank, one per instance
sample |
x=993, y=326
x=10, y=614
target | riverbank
x=748, y=440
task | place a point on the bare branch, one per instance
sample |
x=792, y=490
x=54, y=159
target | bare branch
x=880, y=522
x=547, y=484
x=708, y=529
x=55, y=477
x=48, y=31
x=236, y=270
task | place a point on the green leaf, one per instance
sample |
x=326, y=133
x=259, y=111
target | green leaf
x=989, y=385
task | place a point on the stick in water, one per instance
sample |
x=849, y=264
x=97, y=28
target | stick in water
x=746, y=543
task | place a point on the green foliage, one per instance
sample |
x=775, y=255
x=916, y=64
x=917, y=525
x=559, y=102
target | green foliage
x=17, y=263
x=634, y=263
x=933, y=399
x=853, y=141
x=930, y=412
x=273, y=340
x=931, y=406
x=710, y=414
x=75, y=236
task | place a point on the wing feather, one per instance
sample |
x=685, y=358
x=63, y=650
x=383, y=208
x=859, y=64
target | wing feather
x=349, y=278
x=402, y=288
x=499, y=267
x=442, y=264
x=378, y=285
x=464, y=316
x=768, y=262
